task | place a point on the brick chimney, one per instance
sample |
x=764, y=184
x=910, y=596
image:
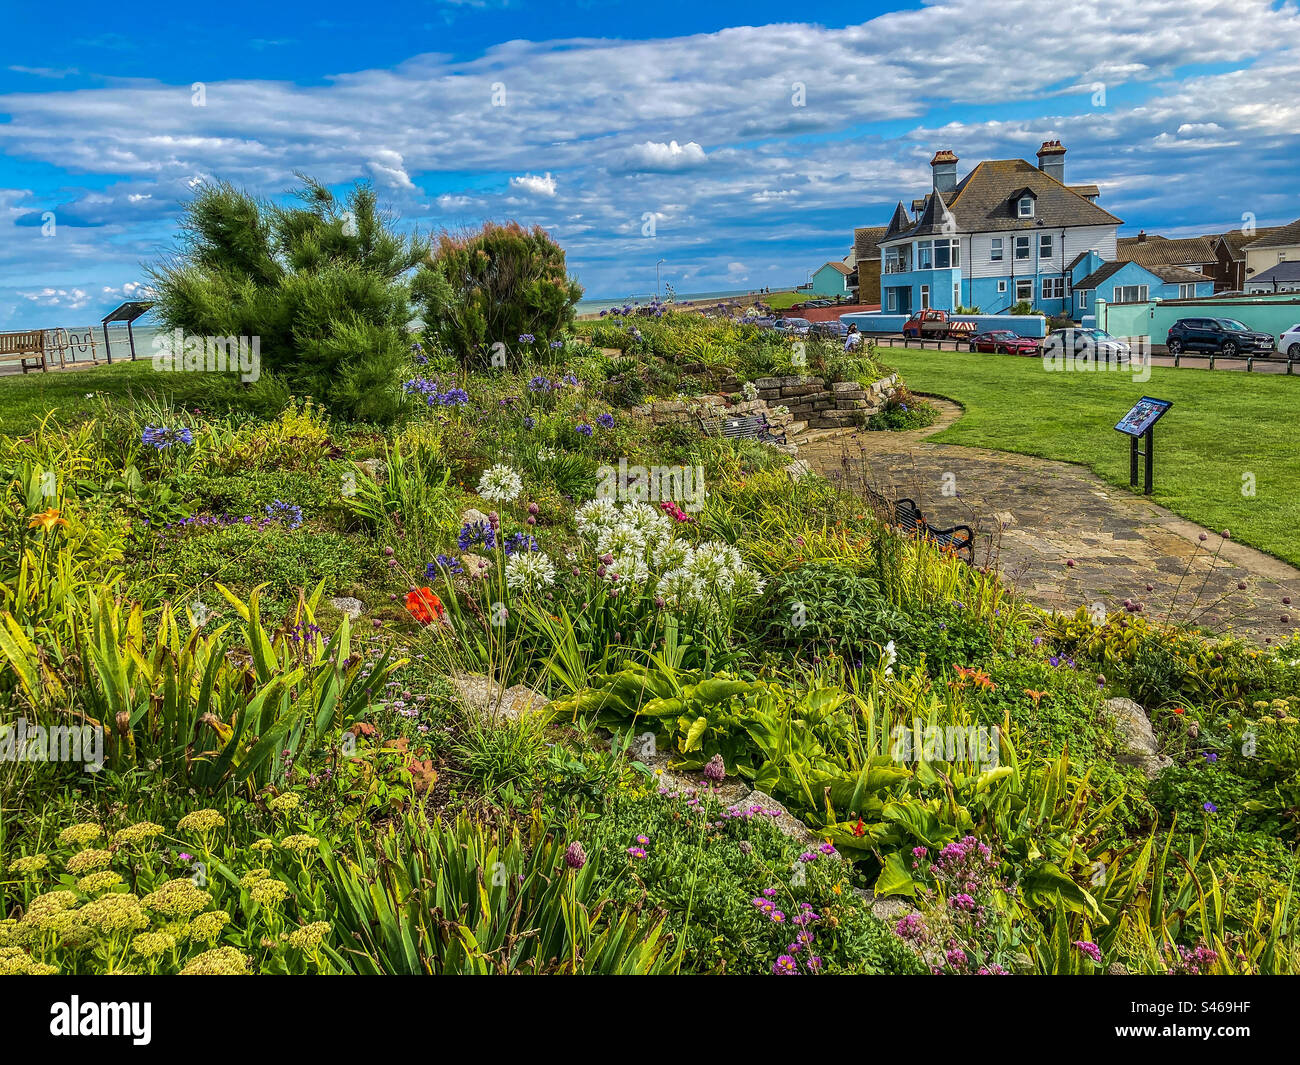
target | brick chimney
x=1142, y=236
x=944, y=168
x=1051, y=160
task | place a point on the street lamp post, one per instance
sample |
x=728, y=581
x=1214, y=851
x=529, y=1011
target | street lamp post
x=657, y=265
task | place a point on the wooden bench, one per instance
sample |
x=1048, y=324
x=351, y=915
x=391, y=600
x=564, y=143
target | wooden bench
x=907, y=516
x=742, y=427
x=28, y=349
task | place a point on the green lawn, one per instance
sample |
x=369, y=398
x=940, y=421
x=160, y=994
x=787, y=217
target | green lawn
x=25, y=399
x=1223, y=426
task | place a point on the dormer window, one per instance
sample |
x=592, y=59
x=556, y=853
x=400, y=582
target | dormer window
x=1025, y=207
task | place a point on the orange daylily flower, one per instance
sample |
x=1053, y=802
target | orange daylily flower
x=424, y=606
x=1034, y=695
x=47, y=521
x=977, y=677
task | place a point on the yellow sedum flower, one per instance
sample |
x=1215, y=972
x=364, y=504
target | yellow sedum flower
x=153, y=944
x=263, y=845
x=268, y=892
x=207, y=926
x=137, y=833
x=201, y=821
x=14, y=961
x=284, y=803
x=300, y=843
x=88, y=861
x=115, y=913
x=32, y=863
x=220, y=961
x=48, y=903
x=309, y=937
x=80, y=834
x=97, y=882
x=177, y=898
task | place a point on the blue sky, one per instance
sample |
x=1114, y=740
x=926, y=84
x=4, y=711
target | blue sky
x=597, y=119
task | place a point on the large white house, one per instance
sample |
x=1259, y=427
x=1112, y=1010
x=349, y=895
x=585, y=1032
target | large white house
x=1008, y=232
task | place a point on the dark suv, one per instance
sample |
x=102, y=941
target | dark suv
x=1224, y=336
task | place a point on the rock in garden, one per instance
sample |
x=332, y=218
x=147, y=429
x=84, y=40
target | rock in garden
x=345, y=604
x=1136, y=737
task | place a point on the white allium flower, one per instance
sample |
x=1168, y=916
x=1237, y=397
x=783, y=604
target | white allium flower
x=629, y=569
x=529, y=571
x=621, y=539
x=712, y=565
x=500, y=484
x=645, y=517
x=596, y=514
x=680, y=588
x=891, y=656
x=747, y=583
x=668, y=555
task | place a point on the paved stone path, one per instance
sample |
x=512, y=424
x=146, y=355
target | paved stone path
x=1032, y=515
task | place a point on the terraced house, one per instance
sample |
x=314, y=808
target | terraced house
x=1005, y=234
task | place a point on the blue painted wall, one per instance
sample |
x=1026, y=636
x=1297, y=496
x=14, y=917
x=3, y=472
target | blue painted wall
x=829, y=282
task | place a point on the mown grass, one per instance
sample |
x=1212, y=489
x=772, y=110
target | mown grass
x=1225, y=429
x=26, y=399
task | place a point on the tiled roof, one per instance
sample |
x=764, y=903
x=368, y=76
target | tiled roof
x=1236, y=240
x=1169, y=274
x=1100, y=274
x=984, y=201
x=1084, y=190
x=842, y=268
x=1279, y=236
x=900, y=223
x=865, y=240
x=1176, y=274
x=1287, y=271
x=1163, y=251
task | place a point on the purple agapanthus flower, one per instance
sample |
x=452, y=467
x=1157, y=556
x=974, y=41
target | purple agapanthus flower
x=585, y=429
x=477, y=533
x=605, y=421
x=160, y=437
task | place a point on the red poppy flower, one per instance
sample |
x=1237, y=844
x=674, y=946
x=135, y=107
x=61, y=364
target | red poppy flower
x=424, y=606
x=1178, y=710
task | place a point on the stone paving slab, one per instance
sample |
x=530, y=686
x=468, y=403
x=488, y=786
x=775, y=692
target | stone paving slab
x=1033, y=515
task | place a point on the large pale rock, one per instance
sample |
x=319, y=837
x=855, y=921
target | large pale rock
x=784, y=820
x=345, y=604
x=486, y=699
x=1137, y=738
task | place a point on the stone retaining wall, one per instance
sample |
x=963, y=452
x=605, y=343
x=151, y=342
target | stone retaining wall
x=809, y=403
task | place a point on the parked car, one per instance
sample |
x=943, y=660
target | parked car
x=1004, y=342
x=818, y=303
x=1290, y=342
x=1091, y=343
x=834, y=328
x=794, y=326
x=1224, y=336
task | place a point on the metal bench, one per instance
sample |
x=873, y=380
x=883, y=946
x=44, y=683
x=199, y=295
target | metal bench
x=904, y=513
x=742, y=427
x=28, y=349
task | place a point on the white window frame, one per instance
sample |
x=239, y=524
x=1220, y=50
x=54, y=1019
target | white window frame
x=1023, y=242
x=956, y=295
x=925, y=255
x=1187, y=291
x=1002, y=287
x=1141, y=293
x=1025, y=207
x=1053, y=288
x=1046, y=245
x=891, y=299
x=1021, y=285
x=995, y=250
x=925, y=297
x=1083, y=298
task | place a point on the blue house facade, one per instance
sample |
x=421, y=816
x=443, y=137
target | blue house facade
x=1128, y=282
x=1006, y=234
x=831, y=280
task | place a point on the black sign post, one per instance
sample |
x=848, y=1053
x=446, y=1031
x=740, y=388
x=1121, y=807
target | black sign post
x=1139, y=424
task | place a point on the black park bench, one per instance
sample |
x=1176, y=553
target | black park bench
x=742, y=427
x=907, y=516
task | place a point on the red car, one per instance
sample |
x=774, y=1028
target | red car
x=1004, y=342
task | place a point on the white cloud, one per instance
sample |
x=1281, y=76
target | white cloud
x=538, y=186
x=655, y=155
